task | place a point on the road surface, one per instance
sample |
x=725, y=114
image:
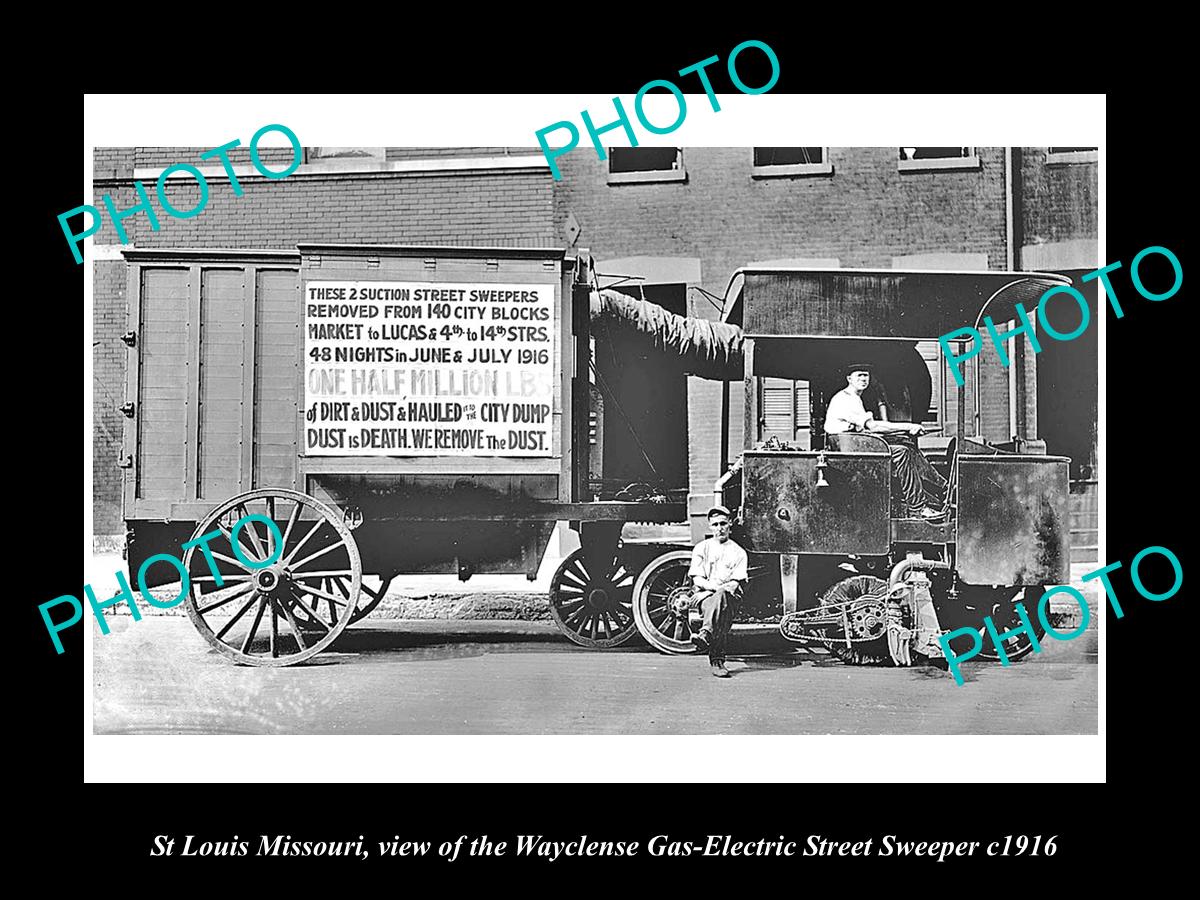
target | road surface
x=157, y=676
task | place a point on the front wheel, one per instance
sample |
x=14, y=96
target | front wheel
x=974, y=603
x=657, y=598
x=593, y=609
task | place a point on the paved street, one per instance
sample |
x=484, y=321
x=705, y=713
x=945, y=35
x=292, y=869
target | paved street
x=499, y=677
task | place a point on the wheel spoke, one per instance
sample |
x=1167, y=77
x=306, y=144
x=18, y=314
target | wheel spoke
x=274, y=630
x=241, y=612
x=312, y=614
x=329, y=583
x=233, y=595
x=250, y=527
x=304, y=540
x=569, y=604
x=224, y=578
x=262, y=605
x=229, y=537
x=233, y=562
x=346, y=572
x=296, y=565
x=324, y=595
x=291, y=620
x=292, y=519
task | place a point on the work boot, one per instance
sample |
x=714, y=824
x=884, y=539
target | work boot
x=718, y=669
x=701, y=639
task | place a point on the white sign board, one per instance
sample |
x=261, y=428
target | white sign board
x=407, y=368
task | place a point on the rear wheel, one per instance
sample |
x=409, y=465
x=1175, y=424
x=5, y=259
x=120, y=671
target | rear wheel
x=657, y=597
x=273, y=605
x=593, y=609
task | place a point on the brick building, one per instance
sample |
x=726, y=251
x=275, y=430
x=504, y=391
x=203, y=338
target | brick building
x=678, y=222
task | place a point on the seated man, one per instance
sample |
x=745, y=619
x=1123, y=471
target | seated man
x=718, y=571
x=847, y=413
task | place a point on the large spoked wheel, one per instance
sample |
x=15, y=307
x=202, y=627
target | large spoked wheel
x=593, y=609
x=276, y=605
x=657, y=598
x=1001, y=604
x=369, y=598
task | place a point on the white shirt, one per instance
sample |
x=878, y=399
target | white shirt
x=719, y=562
x=846, y=413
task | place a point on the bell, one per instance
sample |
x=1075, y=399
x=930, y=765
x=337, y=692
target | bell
x=822, y=463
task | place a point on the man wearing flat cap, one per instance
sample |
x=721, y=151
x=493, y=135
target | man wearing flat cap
x=847, y=413
x=718, y=571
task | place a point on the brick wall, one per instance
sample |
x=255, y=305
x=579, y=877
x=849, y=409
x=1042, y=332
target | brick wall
x=1057, y=202
x=864, y=214
x=108, y=393
x=508, y=209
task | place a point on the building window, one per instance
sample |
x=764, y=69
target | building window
x=925, y=159
x=1060, y=156
x=629, y=165
x=356, y=153
x=931, y=353
x=786, y=411
x=778, y=162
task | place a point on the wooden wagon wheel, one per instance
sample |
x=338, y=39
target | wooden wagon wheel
x=655, y=596
x=285, y=612
x=370, y=597
x=593, y=609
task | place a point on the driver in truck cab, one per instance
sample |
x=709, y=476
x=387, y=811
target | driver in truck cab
x=912, y=470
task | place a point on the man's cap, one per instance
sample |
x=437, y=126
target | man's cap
x=720, y=511
x=858, y=367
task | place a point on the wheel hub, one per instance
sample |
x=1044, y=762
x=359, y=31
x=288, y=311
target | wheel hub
x=273, y=580
x=598, y=599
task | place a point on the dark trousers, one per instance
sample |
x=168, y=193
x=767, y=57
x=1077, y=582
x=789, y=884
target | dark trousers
x=717, y=609
x=913, y=471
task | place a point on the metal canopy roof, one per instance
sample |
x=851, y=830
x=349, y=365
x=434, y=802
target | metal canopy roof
x=882, y=303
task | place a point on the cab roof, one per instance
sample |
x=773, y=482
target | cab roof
x=909, y=304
